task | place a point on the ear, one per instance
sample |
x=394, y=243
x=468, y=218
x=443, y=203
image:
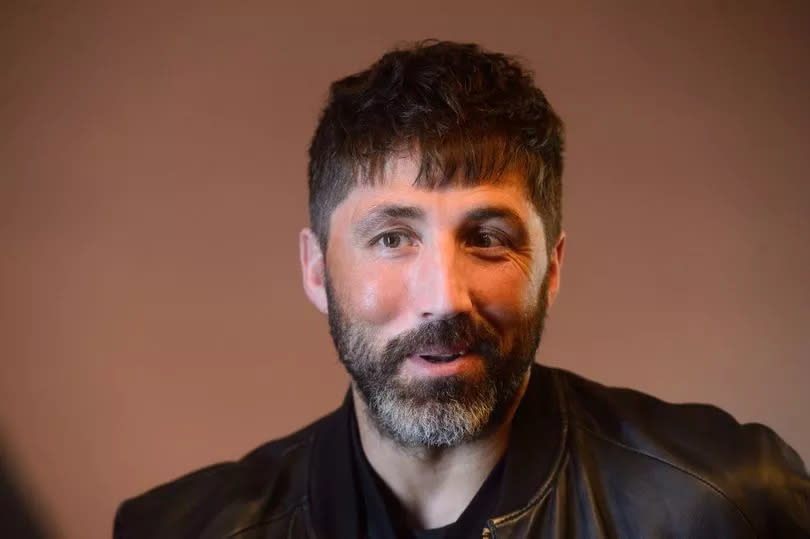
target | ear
x=313, y=269
x=554, y=269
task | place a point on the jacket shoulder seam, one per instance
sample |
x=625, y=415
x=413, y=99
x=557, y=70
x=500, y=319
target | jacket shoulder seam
x=681, y=469
x=275, y=516
x=286, y=510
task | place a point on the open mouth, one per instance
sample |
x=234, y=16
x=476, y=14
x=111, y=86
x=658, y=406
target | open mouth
x=441, y=358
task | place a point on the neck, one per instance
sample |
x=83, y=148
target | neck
x=434, y=485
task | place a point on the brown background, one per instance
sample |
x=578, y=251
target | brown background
x=152, y=164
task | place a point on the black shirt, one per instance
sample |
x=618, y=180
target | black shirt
x=384, y=516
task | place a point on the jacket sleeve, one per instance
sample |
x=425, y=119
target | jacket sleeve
x=118, y=524
x=177, y=509
x=778, y=487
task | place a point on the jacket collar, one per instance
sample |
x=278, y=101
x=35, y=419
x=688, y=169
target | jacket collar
x=333, y=487
x=536, y=446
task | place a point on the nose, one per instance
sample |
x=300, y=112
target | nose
x=440, y=287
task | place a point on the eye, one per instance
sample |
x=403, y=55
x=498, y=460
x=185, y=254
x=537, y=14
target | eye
x=485, y=240
x=393, y=240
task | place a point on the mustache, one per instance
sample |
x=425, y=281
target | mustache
x=460, y=331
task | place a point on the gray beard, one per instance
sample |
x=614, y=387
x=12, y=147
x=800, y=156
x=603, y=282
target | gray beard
x=436, y=423
x=443, y=412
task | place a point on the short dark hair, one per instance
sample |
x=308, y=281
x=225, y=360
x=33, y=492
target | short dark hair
x=468, y=114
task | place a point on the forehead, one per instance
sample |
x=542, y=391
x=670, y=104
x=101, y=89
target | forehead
x=397, y=185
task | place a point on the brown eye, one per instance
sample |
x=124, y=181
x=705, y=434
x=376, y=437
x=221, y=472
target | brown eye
x=484, y=240
x=391, y=241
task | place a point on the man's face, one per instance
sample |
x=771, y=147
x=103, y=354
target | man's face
x=436, y=300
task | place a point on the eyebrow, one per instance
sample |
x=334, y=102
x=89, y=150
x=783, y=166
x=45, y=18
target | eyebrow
x=380, y=215
x=486, y=213
x=504, y=213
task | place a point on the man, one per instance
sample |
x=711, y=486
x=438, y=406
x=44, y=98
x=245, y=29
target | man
x=436, y=248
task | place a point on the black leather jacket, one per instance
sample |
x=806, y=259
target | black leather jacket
x=584, y=461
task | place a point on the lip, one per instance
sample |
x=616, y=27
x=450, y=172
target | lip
x=418, y=366
x=440, y=358
x=441, y=351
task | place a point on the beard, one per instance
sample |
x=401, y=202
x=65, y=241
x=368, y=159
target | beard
x=442, y=411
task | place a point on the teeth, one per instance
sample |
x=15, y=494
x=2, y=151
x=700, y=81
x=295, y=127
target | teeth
x=440, y=358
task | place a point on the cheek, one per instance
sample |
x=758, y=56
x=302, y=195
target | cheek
x=376, y=294
x=506, y=296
